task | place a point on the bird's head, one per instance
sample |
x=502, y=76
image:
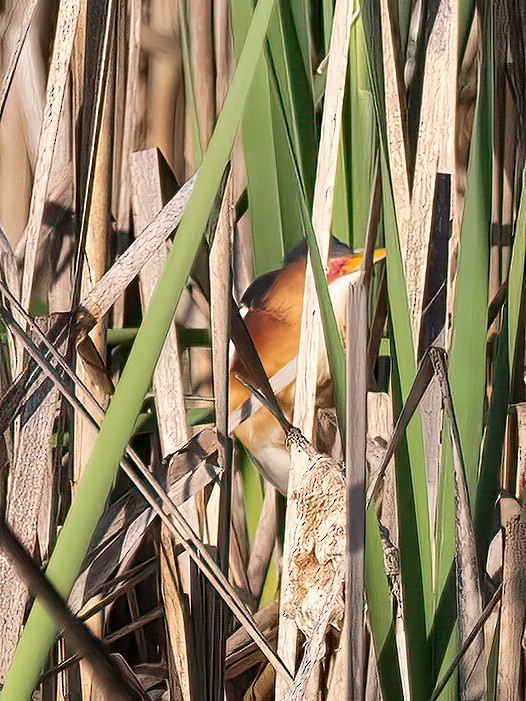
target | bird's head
x=350, y=262
x=283, y=289
x=342, y=260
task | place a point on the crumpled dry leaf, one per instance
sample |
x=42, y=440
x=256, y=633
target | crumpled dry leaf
x=318, y=543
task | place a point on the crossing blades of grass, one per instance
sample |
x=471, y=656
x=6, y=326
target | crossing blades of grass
x=99, y=473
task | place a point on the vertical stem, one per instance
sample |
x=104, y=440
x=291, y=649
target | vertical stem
x=220, y=286
x=355, y=492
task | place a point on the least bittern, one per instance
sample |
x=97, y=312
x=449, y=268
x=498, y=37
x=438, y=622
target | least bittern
x=274, y=306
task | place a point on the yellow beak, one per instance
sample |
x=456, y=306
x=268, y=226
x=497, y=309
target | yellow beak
x=354, y=261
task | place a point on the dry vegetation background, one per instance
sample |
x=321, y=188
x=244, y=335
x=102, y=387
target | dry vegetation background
x=397, y=123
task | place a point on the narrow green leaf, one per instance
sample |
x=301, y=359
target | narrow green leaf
x=296, y=91
x=488, y=486
x=516, y=276
x=467, y=357
x=301, y=10
x=363, y=143
x=327, y=12
x=341, y=225
x=415, y=542
x=260, y=155
x=380, y=610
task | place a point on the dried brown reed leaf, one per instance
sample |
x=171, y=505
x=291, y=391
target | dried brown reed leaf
x=395, y=129
x=435, y=152
x=513, y=611
x=169, y=398
x=16, y=44
x=202, y=60
x=30, y=504
x=115, y=281
x=242, y=653
x=56, y=86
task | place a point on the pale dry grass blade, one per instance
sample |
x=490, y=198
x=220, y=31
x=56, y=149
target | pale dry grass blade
x=219, y=510
x=114, y=282
x=56, y=86
x=16, y=45
x=420, y=385
x=24, y=82
x=239, y=544
x=130, y=47
x=202, y=61
x=305, y=393
x=167, y=383
x=435, y=152
x=513, y=611
x=433, y=329
x=127, y=87
x=169, y=399
x=222, y=50
x=220, y=300
x=469, y=596
x=9, y=275
x=379, y=431
x=29, y=83
x=394, y=117
x=30, y=503
x=337, y=682
x=54, y=272
x=15, y=167
x=165, y=104
x=338, y=675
